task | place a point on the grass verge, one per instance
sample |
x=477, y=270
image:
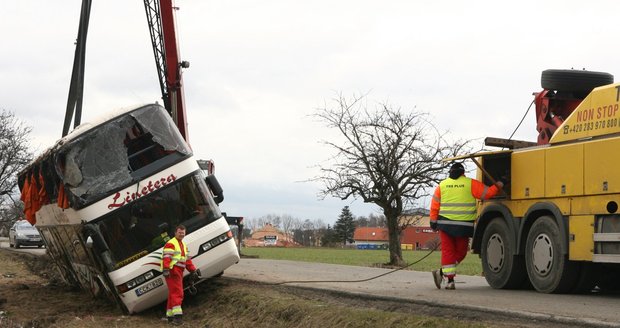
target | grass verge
x=361, y=257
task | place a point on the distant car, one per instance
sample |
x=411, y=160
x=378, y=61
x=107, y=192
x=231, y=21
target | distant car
x=22, y=233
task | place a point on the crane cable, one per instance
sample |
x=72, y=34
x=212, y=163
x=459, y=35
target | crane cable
x=360, y=280
x=524, y=115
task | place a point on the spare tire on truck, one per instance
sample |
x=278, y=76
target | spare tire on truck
x=574, y=80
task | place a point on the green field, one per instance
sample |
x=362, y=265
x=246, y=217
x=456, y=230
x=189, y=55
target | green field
x=470, y=266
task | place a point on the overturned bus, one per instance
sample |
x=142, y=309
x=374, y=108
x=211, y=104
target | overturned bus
x=108, y=196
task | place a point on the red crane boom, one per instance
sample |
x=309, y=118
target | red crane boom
x=162, y=27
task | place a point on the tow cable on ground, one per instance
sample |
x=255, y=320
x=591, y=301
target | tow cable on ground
x=360, y=280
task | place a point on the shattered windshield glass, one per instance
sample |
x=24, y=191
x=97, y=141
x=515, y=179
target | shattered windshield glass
x=119, y=152
x=98, y=161
x=164, y=132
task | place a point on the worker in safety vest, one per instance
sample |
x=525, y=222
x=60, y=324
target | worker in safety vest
x=453, y=212
x=175, y=259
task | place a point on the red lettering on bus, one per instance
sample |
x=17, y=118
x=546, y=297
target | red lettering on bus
x=151, y=186
x=114, y=204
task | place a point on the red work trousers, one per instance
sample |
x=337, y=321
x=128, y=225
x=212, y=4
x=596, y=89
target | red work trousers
x=453, y=251
x=175, y=292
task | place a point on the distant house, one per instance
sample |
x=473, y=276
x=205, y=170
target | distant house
x=417, y=235
x=370, y=237
x=269, y=236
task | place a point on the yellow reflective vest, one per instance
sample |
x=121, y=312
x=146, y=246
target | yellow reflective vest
x=172, y=255
x=457, y=201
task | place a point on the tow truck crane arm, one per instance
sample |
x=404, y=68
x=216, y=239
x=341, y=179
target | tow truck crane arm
x=162, y=27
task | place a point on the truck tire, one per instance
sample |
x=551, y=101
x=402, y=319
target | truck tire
x=502, y=270
x=574, y=80
x=549, y=270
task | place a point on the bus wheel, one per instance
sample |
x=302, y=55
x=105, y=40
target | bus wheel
x=501, y=268
x=549, y=270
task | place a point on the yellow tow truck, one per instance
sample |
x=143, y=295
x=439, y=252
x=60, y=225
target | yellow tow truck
x=556, y=227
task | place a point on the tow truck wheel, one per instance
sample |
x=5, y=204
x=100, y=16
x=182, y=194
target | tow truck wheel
x=574, y=80
x=501, y=268
x=549, y=270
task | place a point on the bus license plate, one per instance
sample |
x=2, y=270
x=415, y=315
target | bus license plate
x=148, y=287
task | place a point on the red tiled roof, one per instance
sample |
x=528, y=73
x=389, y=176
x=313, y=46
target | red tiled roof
x=370, y=234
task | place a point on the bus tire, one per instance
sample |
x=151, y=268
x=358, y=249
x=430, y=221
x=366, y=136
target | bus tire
x=501, y=268
x=548, y=268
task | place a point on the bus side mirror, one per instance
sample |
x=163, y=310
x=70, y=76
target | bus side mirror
x=215, y=187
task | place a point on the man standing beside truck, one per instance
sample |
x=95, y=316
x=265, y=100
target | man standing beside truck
x=453, y=213
x=175, y=259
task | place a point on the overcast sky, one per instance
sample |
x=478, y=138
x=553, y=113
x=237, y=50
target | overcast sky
x=260, y=68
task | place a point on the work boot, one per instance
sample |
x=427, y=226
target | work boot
x=438, y=278
x=178, y=320
x=450, y=285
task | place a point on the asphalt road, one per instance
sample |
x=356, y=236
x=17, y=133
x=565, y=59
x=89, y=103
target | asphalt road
x=417, y=287
x=4, y=243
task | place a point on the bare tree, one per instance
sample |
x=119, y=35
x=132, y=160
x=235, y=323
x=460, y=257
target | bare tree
x=251, y=224
x=389, y=157
x=274, y=219
x=287, y=222
x=376, y=220
x=14, y=153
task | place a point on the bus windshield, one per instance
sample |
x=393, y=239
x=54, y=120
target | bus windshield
x=119, y=152
x=145, y=225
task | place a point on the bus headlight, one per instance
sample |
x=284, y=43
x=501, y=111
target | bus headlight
x=139, y=280
x=216, y=241
x=206, y=246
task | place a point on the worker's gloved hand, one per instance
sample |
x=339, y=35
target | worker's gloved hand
x=434, y=225
x=166, y=273
x=194, y=275
x=503, y=180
